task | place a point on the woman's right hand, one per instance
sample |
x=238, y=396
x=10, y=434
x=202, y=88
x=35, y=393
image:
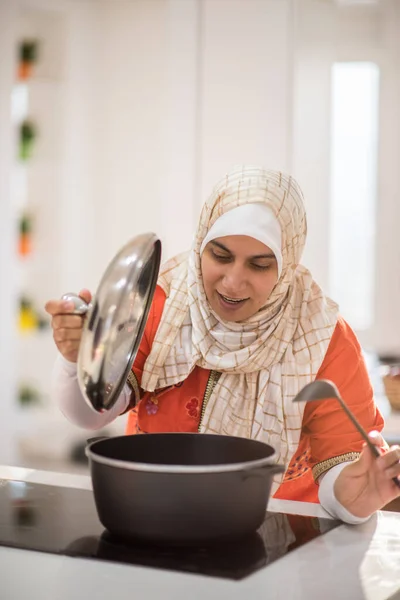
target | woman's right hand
x=67, y=327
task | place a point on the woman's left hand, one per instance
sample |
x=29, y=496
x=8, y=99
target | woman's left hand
x=366, y=485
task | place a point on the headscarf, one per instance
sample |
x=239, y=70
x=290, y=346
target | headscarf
x=265, y=360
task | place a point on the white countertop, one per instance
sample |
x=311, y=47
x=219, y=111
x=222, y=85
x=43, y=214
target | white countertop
x=349, y=562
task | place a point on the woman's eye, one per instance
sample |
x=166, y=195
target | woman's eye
x=260, y=267
x=220, y=257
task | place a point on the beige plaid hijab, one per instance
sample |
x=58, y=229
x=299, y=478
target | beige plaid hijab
x=265, y=360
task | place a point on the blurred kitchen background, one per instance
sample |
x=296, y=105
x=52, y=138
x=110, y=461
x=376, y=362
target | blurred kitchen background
x=118, y=116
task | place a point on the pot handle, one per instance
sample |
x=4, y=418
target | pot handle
x=91, y=441
x=96, y=439
x=276, y=469
x=261, y=471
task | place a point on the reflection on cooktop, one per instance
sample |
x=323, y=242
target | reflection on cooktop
x=64, y=521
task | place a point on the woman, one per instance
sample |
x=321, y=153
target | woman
x=237, y=327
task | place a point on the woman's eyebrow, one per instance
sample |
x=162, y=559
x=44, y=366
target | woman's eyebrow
x=221, y=246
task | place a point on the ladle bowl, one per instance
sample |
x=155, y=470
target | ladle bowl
x=323, y=389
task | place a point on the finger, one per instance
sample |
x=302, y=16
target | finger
x=393, y=471
x=376, y=438
x=390, y=458
x=68, y=346
x=66, y=335
x=85, y=295
x=57, y=307
x=67, y=322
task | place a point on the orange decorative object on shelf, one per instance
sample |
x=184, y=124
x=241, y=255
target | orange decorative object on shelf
x=24, y=245
x=24, y=70
x=25, y=236
x=28, y=51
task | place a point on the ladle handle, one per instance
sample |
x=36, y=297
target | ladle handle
x=360, y=429
x=374, y=449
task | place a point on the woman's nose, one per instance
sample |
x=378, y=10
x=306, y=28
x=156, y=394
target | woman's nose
x=234, y=279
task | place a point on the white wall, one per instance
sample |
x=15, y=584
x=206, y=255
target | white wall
x=179, y=178
x=246, y=86
x=131, y=129
x=311, y=129
x=82, y=126
x=385, y=334
x=324, y=34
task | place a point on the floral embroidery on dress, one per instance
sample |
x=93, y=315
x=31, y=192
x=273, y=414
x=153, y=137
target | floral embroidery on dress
x=151, y=406
x=298, y=466
x=192, y=408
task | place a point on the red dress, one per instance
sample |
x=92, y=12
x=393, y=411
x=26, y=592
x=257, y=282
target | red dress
x=326, y=433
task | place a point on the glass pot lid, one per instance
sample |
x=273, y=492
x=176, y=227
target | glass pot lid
x=115, y=320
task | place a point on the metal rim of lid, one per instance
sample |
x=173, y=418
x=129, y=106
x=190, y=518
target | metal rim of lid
x=140, y=252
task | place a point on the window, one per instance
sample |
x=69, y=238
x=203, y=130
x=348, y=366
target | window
x=354, y=137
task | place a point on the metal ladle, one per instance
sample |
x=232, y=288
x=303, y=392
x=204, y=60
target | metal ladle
x=322, y=389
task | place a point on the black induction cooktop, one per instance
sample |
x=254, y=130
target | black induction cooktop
x=64, y=521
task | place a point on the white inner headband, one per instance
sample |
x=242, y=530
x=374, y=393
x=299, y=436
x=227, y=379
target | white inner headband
x=256, y=221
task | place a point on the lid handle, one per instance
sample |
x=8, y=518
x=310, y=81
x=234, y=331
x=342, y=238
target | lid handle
x=80, y=306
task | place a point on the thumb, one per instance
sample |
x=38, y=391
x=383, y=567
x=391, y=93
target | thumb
x=85, y=295
x=377, y=439
x=367, y=457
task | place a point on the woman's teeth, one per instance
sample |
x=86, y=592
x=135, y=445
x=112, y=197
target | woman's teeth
x=232, y=300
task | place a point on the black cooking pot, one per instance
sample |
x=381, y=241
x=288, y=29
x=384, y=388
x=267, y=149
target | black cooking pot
x=181, y=488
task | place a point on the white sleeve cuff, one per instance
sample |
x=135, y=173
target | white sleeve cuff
x=329, y=501
x=69, y=398
x=65, y=365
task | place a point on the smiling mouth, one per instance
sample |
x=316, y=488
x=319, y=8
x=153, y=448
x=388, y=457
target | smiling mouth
x=232, y=301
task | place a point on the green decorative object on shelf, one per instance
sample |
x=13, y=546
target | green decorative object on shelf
x=27, y=138
x=42, y=323
x=28, y=396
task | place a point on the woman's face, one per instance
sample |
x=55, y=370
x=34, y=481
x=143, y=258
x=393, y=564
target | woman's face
x=239, y=274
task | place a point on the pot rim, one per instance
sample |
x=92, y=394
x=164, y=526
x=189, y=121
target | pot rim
x=195, y=469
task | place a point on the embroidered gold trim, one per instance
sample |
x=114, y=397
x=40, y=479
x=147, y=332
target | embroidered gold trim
x=211, y=383
x=134, y=385
x=325, y=465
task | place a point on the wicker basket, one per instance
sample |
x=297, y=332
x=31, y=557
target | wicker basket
x=392, y=390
